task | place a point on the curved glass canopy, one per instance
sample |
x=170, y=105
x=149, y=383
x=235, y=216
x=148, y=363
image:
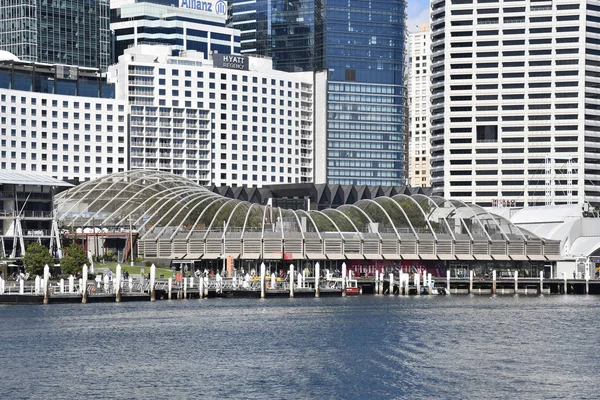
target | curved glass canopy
x=160, y=205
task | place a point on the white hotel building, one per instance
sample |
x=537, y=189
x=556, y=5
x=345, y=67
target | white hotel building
x=59, y=121
x=515, y=82
x=229, y=120
x=419, y=45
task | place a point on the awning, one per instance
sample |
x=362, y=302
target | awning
x=336, y=256
x=536, y=257
x=354, y=256
x=554, y=257
x=232, y=255
x=519, y=257
x=193, y=256
x=250, y=256
x=446, y=256
x=373, y=257
x=315, y=256
x=392, y=257
x=428, y=256
x=464, y=257
x=482, y=257
x=501, y=257
x=211, y=256
x=410, y=256
x=177, y=255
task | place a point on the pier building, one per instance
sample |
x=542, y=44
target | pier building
x=174, y=218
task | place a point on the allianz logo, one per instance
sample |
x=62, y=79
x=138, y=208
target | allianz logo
x=220, y=6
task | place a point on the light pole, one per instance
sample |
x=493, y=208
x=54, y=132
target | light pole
x=130, y=241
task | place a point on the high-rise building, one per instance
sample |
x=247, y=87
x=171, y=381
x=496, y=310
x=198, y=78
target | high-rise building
x=60, y=121
x=418, y=106
x=182, y=24
x=229, y=120
x=57, y=32
x=359, y=137
x=515, y=89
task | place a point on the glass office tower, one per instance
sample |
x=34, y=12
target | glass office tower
x=361, y=45
x=57, y=32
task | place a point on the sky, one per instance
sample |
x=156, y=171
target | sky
x=418, y=12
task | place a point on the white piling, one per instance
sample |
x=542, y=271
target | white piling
x=376, y=282
x=117, y=283
x=418, y=283
x=153, y=281
x=200, y=287
x=71, y=284
x=21, y=286
x=343, y=279
x=262, y=281
x=291, y=280
x=494, y=282
x=37, y=284
x=429, y=284
x=170, y=288
x=516, y=282
x=565, y=284
x=541, y=282
x=84, y=275
x=299, y=280
x=471, y=281
x=185, y=287
x=391, y=291
x=317, y=276
x=448, y=282
x=130, y=282
x=61, y=284
x=46, y=287
x=587, y=281
x=192, y=282
x=273, y=281
x=2, y=285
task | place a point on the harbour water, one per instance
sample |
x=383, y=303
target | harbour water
x=367, y=347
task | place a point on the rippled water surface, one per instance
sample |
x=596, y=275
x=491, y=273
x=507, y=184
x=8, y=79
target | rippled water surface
x=331, y=348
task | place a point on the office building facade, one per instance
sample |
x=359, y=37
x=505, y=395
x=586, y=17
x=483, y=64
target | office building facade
x=181, y=24
x=359, y=134
x=53, y=32
x=229, y=120
x=418, y=106
x=59, y=121
x=514, y=105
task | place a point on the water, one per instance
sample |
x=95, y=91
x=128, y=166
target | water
x=371, y=347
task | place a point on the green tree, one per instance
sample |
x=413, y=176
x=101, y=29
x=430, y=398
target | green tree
x=36, y=257
x=73, y=259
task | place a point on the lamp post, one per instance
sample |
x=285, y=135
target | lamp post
x=130, y=241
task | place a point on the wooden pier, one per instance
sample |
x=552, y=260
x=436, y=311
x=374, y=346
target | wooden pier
x=45, y=291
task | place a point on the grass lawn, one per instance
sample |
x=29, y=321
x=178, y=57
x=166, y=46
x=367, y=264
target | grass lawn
x=135, y=270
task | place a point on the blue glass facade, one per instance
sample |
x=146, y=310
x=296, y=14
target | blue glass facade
x=73, y=32
x=54, y=79
x=361, y=45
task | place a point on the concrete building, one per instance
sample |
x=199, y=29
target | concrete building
x=58, y=121
x=359, y=113
x=512, y=84
x=419, y=45
x=57, y=32
x=229, y=120
x=181, y=24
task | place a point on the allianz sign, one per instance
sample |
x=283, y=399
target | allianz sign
x=219, y=7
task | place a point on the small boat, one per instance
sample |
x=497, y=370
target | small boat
x=351, y=287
